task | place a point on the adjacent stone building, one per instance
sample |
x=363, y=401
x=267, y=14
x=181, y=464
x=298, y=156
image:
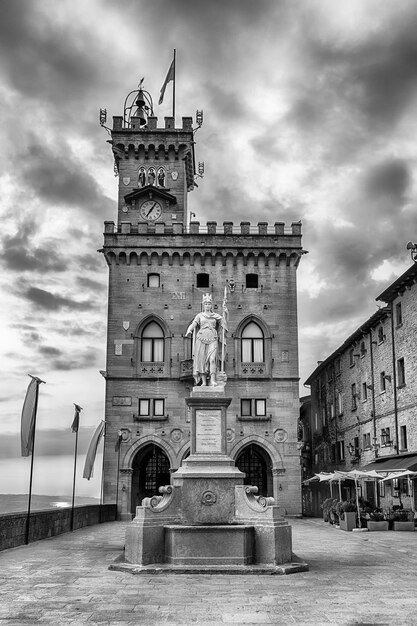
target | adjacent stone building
x=160, y=265
x=364, y=400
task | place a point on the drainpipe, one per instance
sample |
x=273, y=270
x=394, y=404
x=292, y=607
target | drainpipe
x=394, y=379
x=371, y=353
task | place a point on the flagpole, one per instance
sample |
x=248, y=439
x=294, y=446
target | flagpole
x=173, y=88
x=30, y=479
x=102, y=474
x=73, y=482
x=31, y=462
x=77, y=408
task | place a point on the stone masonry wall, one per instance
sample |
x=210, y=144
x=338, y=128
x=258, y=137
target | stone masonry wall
x=49, y=523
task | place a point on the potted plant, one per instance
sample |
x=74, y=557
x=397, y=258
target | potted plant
x=348, y=516
x=402, y=520
x=334, y=517
x=326, y=509
x=377, y=520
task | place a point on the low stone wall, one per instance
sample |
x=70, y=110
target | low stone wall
x=50, y=522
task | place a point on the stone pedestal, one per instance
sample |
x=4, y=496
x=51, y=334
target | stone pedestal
x=207, y=478
x=207, y=517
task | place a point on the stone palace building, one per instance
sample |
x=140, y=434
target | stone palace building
x=362, y=412
x=160, y=265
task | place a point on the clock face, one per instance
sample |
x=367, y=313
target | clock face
x=150, y=210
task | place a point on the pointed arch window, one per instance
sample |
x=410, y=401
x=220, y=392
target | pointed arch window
x=252, y=344
x=152, y=343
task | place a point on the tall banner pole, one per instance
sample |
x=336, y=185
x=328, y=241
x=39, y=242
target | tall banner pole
x=28, y=430
x=173, y=88
x=30, y=486
x=74, y=428
x=102, y=475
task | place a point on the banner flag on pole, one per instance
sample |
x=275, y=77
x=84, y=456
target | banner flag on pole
x=76, y=422
x=169, y=77
x=92, y=451
x=27, y=427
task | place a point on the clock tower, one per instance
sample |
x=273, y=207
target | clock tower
x=156, y=166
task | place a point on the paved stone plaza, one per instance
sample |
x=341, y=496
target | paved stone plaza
x=354, y=578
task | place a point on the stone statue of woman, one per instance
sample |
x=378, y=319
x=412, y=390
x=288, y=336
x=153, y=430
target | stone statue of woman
x=208, y=328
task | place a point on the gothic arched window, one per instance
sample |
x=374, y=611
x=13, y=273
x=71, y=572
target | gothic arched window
x=252, y=344
x=152, y=343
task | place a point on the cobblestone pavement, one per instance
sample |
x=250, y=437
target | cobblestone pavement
x=354, y=579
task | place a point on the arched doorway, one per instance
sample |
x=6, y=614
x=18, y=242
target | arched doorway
x=256, y=464
x=150, y=471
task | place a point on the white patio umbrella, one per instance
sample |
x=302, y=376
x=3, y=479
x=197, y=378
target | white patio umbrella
x=358, y=475
x=401, y=474
x=326, y=477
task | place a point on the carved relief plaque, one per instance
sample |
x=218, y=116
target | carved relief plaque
x=122, y=401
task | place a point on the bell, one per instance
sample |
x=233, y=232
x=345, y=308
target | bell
x=140, y=100
x=141, y=114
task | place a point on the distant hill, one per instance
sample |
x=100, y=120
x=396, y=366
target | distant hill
x=16, y=503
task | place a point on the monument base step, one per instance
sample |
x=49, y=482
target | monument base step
x=296, y=566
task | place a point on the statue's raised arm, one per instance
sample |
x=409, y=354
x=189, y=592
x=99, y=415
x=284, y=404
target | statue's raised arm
x=208, y=329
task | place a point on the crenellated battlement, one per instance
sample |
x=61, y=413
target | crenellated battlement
x=169, y=125
x=145, y=244
x=195, y=228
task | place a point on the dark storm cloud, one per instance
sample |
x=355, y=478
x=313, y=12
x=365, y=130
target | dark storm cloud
x=48, y=301
x=32, y=337
x=266, y=144
x=50, y=351
x=83, y=359
x=225, y=103
x=69, y=328
x=59, y=179
x=94, y=262
x=92, y=285
x=345, y=257
x=46, y=58
x=21, y=255
x=375, y=76
x=389, y=179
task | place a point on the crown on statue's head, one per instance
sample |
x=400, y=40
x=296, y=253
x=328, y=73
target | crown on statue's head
x=207, y=298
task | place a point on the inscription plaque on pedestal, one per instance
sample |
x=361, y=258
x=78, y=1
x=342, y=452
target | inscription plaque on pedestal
x=208, y=431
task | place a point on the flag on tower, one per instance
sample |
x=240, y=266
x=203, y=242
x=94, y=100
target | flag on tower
x=92, y=451
x=76, y=422
x=170, y=76
x=28, y=420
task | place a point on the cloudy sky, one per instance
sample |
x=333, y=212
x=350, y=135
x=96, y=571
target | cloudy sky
x=309, y=113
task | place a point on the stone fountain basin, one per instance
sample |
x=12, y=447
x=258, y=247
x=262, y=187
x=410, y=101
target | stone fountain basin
x=209, y=544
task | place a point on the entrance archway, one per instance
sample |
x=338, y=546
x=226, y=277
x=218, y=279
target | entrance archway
x=257, y=465
x=151, y=470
